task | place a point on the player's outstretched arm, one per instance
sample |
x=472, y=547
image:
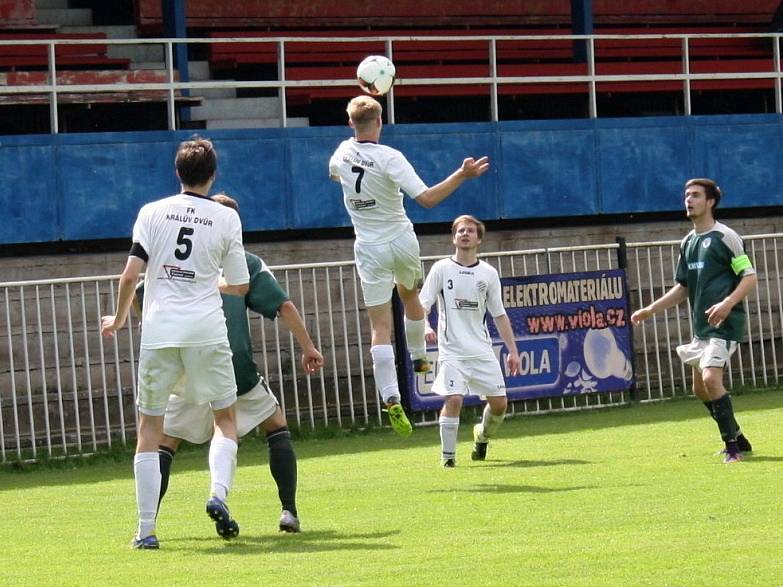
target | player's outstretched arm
x=674, y=296
x=312, y=360
x=470, y=168
x=127, y=290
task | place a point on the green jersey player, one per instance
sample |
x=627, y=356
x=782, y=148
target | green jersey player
x=715, y=275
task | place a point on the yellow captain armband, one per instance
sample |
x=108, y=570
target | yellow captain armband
x=739, y=264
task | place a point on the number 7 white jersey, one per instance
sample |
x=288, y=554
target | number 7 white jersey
x=464, y=294
x=187, y=239
x=371, y=176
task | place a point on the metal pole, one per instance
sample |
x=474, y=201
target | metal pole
x=493, y=72
x=54, y=121
x=686, y=68
x=776, y=61
x=281, y=77
x=172, y=113
x=390, y=99
x=591, y=72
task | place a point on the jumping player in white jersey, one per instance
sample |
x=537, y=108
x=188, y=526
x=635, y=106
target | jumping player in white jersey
x=183, y=241
x=466, y=290
x=386, y=249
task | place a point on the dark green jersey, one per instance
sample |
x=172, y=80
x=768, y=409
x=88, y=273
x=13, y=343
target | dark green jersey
x=711, y=265
x=265, y=297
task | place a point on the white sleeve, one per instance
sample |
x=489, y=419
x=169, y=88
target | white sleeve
x=494, y=299
x=140, y=230
x=402, y=173
x=333, y=165
x=234, y=264
x=432, y=285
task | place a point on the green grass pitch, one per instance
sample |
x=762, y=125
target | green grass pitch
x=625, y=496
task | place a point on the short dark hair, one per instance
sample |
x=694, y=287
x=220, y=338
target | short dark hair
x=196, y=161
x=711, y=188
x=226, y=200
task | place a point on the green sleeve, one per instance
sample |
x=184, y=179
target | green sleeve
x=265, y=296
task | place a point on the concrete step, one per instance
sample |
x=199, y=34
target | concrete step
x=112, y=32
x=137, y=53
x=199, y=71
x=149, y=65
x=64, y=17
x=256, y=123
x=51, y=5
x=245, y=108
x=216, y=93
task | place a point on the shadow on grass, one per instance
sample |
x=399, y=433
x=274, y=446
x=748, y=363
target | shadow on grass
x=762, y=459
x=524, y=464
x=308, y=541
x=494, y=488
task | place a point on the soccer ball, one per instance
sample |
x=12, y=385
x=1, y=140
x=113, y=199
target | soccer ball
x=376, y=75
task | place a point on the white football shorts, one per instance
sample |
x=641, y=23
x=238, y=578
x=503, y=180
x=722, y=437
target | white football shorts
x=703, y=353
x=481, y=377
x=194, y=423
x=381, y=266
x=208, y=367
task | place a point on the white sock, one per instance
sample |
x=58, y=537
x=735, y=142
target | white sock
x=414, y=337
x=489, y=424
x=222, y=464
x=448, y=436
x=385, y=373
x=146, y=470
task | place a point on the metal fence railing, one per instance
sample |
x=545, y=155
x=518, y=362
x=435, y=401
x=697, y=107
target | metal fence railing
x=65, y=390
x=590, y=76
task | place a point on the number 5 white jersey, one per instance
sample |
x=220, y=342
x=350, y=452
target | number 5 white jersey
x=187, y=239
x=371, y=176
x=464, y=296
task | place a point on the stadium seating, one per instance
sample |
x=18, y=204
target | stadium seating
x=35, y=56
x=416, y=59
x=17, y=14
x=66, y=78
x=466, y=14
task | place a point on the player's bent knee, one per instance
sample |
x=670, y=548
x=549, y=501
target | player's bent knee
x=274, y=422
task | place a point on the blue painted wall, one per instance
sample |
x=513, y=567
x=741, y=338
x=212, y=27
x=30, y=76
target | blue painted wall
x=90, y=186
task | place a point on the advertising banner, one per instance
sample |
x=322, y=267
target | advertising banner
x=572, y=333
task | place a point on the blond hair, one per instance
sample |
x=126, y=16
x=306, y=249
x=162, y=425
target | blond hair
x=363, y=111
x=468, y=218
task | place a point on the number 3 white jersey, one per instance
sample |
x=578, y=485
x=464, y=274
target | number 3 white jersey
x=371, y=176
x=187, y=239
x=464, y=296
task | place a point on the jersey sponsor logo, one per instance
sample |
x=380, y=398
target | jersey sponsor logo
x=174, y=272
x=356, y=160
x=190, y=219
x=706, y=243
x=463, y=304
x=362, y=204
x=697, y=266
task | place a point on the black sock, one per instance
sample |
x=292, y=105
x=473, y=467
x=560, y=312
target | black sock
x=724, y=416
x=166, y=457
x=282, y=464
x=708, y=405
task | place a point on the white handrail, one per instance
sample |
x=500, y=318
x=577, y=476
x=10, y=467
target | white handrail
x=492, y=81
